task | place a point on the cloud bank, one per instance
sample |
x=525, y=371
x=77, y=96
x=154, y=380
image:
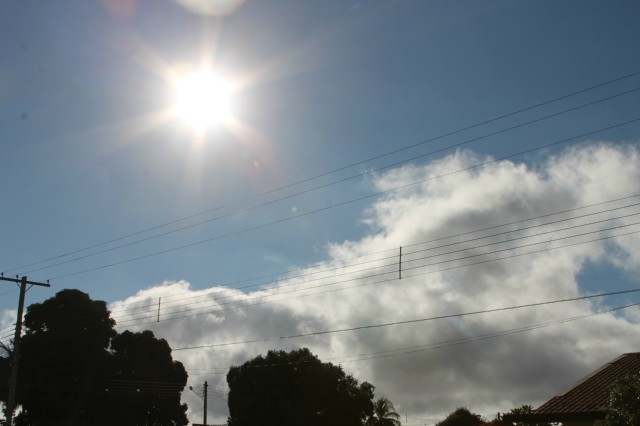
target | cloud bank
x=505, y=234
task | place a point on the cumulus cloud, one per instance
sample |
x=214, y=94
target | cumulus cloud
x=8, y=318
x=477, y=239
x=7, y=324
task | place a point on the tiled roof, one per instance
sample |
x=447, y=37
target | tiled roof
x=587, y=399
x=591, y=393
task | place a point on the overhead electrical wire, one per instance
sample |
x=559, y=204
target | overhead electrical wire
x=436, y=345
x=395, y=256
x=9, y=327
x=217, y=302
x=394, y=264
x=244, y=303
x=107, y=388
x=287, y=274
x=377, y=194
x=460, y=341
x=451, y=133
x=394, y=278
x=199, y=389
x=7, y=336
x=153, y=304
x=405, y=350
x=359, y=175
x=411, y=321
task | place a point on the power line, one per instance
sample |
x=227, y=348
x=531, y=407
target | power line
x=106, y=387
x=487, y=336
x=396, y=164
x=245, y=303
x=470, y=248
x=377, y=194
x=562, y=97
x=144, y=315
x=393, y=279
x=411, y=321
x=385, y=280
x=392, y=264
x=441, y=344
x=144, y=305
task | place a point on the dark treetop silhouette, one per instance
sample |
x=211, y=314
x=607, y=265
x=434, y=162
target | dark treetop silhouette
x=296, y=388
x=76, y=369
x=384, y=414
x=461, y=417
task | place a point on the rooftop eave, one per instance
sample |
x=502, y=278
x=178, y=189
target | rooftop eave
x=555, y=417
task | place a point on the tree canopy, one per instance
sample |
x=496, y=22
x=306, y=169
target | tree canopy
x=384, y=414
x=461, y=417
x=526, y=409
x=6, y=351
x=296, y=388
x=624, y=401
x=76, y=369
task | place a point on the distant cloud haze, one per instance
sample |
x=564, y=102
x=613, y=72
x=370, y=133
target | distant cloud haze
x=360, y=287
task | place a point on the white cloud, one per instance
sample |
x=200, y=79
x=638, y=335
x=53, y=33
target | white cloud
x=488, y=375
x=8, y=318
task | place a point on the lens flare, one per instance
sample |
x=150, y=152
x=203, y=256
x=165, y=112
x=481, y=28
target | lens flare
x=211, y=7
x=121, y=9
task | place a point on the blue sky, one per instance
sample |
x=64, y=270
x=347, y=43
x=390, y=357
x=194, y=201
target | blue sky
x=321, y=85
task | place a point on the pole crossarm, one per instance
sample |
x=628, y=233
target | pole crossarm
x=19, y=281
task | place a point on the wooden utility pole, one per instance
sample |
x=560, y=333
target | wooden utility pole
x=204, y=399
x=13, y=379
x=205, y=403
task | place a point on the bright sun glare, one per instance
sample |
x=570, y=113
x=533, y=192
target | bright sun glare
x=203, y=100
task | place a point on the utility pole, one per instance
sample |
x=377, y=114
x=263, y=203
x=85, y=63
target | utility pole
x=204, y=399
x=205, y=403
x=11, y=401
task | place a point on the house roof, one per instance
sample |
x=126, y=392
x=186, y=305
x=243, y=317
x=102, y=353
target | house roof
x=587, y=399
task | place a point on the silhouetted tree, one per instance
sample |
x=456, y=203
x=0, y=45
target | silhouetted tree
x=76, y=370
x=6, y=352
x=146, y=362
x=526, y=409
x=462, y=417
x=63, y=353
x=384, y=414
x=296, y=388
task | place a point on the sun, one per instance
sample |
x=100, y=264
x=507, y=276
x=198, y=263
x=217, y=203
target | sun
x=203, y=99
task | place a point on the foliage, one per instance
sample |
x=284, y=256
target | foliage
x=75, y=369
x=142, y=359
x=384, y=414
x=295, y=388
x=461, y=417
x=6, y=352
x=624, y=402
x=526, y=409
